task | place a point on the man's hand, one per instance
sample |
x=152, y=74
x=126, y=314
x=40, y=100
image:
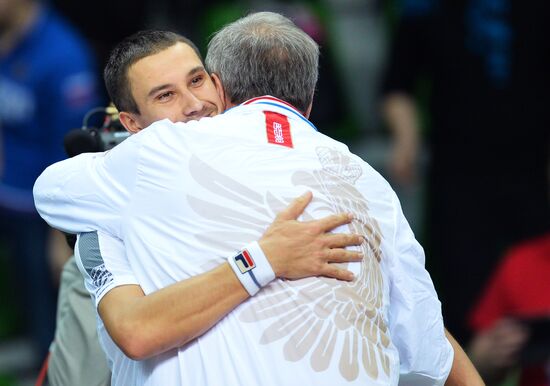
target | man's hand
x=495, y=350
x=499, y=346
x=301, y=249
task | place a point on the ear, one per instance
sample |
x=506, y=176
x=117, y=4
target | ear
x=129, y=122
x=220, y=90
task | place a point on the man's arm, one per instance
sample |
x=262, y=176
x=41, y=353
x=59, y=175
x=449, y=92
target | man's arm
x=146, y=325
x=89, y=191
x=410, y=58
x=428, y=353
x=463, y=372
x=401, y=115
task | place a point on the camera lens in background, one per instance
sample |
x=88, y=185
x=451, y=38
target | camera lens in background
x=79, y=141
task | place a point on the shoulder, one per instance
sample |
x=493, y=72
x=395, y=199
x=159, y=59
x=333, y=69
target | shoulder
x=164, y=141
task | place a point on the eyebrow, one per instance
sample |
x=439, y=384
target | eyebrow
x=196, y=69
x=161, y=87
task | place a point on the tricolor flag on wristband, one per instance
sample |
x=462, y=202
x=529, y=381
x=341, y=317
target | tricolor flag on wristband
x=252, y=268
x=244, y=261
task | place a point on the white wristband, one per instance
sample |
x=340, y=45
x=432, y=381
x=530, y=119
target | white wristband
x=252, y=268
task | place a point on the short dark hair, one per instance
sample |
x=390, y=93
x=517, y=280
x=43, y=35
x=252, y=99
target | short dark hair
x=129, y=51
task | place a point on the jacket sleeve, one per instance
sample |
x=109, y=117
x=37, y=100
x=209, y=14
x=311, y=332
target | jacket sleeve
x=90, y=191
x=416, y=322
x=103, y=263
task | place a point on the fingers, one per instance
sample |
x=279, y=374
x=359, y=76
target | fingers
x=328, y=223
x=295, y=208
x=341, y=240
x=340, y=256
x=337, y=273
x=344, y=256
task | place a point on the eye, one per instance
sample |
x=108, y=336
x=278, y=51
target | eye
x=197, y=80
x=165, y=96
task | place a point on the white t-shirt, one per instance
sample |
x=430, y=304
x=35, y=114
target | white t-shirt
x=183, y=197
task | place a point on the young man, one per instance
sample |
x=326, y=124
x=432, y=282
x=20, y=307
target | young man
x=177, y=193
x=150, y=76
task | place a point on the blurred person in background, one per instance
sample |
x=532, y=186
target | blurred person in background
x=517, y=292
x=47, y=84
x=481, y=67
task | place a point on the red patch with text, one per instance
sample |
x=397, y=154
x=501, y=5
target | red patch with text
x=278, y=129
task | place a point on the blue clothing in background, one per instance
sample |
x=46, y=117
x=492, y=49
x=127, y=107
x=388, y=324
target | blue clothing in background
x=47, y=84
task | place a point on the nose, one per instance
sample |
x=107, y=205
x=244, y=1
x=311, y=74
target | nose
x=192, y=106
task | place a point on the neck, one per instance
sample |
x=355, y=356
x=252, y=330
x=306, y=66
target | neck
x=16, y=24
x=228, y=104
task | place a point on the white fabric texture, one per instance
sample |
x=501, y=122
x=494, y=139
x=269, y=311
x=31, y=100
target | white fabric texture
x=183, y=197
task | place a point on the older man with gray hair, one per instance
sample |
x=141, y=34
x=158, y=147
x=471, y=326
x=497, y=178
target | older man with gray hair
x=182, y=196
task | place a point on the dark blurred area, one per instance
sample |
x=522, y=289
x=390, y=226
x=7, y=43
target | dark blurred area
x=487, y=179
x=447, y=99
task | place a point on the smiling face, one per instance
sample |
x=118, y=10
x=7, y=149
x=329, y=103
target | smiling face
x=170, y=84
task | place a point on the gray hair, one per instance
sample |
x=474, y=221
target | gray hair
x=265, y=53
